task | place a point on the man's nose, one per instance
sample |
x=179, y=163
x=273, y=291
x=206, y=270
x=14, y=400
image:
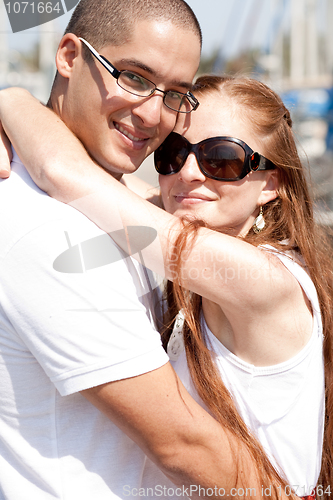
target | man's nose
x=149, y=110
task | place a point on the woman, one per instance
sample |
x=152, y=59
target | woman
x=257, y=268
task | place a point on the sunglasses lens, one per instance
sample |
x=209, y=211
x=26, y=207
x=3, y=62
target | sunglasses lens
x=219, y=158
x=169, y=157
x=222, y=159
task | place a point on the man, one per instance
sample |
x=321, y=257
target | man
x=75, y=343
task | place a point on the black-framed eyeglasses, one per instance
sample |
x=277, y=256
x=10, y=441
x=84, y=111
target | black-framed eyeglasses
x=142, y=87
x=219, y=158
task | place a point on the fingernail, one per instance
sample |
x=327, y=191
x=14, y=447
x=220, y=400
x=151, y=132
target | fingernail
x=4, y=174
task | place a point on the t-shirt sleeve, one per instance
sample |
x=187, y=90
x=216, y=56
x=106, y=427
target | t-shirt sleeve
x=84, y=323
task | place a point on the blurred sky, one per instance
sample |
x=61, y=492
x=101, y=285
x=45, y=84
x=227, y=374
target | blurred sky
x=232, y=26
x=223, y=22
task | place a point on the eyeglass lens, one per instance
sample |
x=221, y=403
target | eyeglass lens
x=137, y=85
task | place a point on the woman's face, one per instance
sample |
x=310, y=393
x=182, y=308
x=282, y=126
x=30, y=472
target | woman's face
x=229, y=206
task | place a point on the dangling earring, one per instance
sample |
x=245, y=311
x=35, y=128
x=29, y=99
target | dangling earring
x=259, y=222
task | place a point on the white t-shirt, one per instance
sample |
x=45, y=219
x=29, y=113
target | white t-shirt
x=282, y=404
x=63, y=330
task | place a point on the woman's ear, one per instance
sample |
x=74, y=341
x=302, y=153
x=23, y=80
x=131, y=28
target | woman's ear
x=68, y=50
x=270, y=190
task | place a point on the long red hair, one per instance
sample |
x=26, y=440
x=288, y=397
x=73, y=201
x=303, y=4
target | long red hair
x=289, y=225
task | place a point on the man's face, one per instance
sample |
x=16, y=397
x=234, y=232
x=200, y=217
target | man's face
x=117, y=128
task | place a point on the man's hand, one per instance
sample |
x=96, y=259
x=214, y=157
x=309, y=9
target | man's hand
x=5, y=154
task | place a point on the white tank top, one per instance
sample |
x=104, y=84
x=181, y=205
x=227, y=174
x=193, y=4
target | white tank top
x=283, y=404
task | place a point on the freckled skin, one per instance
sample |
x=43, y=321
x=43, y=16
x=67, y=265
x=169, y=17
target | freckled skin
x=221, y=204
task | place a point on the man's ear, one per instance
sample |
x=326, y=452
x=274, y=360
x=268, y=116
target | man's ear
x=69, y=49
x=270, y=189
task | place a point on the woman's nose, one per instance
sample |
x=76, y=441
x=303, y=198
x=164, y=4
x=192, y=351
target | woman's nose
x=191, y=171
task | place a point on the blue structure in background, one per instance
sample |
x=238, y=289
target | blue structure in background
x=311, y=104
x=329, y=119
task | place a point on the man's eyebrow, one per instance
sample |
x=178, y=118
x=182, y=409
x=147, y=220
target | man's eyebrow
x=153, y=73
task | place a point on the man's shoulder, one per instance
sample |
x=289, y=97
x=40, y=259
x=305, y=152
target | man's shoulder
x=21, y=194
x=27, y=209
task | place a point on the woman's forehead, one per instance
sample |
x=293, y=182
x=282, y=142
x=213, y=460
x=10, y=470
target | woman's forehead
x=214, y=117
x=219, y=116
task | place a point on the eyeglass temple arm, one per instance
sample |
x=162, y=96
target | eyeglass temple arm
x=107, y=65
x=265, y=164
x=193, y=100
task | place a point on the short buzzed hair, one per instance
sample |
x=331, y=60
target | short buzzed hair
x=111, y=22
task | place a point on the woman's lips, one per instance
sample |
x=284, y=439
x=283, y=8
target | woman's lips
x=191, y=198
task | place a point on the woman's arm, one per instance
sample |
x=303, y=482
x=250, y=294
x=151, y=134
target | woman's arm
x=143, y=189
x=36, y=134
x=32, y=141
x=252, y=287
x=69, y=174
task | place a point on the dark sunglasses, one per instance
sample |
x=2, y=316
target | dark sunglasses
x=219, y=158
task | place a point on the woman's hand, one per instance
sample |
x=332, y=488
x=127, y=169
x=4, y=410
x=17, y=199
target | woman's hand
x=5, y=154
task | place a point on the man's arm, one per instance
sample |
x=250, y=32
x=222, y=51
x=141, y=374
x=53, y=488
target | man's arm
x=183, y=440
